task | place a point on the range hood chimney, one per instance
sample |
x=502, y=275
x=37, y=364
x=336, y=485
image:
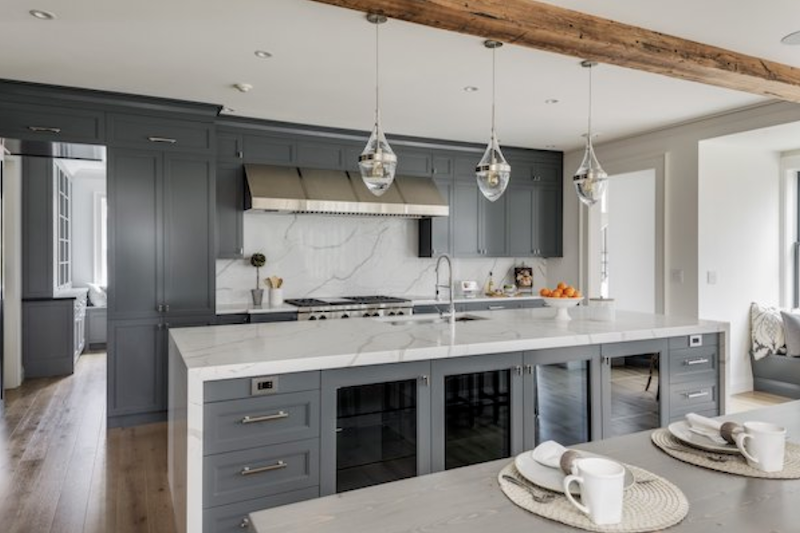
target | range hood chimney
x=336, y=192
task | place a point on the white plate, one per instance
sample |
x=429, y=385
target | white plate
x=553, y=478
x=680, y=430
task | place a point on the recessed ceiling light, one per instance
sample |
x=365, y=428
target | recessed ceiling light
x=42, y=15
x=242, y=87
x=550, y=146
x=471, y=89
x=228, y=110
x=792, y=38
x=551, y=101
x=262, y=54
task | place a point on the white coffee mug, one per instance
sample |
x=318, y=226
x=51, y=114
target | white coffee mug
x=602, y=484
x=763, y=445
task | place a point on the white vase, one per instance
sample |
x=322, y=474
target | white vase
x=258, y=296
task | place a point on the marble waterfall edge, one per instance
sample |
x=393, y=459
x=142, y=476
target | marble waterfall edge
x=319, y=255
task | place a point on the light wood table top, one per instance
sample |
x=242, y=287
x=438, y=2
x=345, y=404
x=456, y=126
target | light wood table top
x=469, y=500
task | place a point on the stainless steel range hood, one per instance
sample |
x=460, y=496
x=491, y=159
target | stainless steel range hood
x=296, y=190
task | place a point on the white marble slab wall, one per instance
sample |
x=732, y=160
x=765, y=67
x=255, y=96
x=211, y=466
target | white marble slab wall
x=319, y=255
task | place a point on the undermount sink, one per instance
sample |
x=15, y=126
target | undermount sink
x=429, y=319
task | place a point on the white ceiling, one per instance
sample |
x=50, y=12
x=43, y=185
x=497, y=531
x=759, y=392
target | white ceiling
x=322, y=69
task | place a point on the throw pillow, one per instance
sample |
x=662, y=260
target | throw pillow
x=97, y=295
x=766, y=331
x=791, y=330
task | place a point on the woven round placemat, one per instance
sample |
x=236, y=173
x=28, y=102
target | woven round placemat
x=728, y=463
x=651, y=504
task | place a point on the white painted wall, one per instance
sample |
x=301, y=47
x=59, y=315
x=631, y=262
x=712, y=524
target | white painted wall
x=632, y=240
x=12, y=273
x=84, y=186
x=738, y=230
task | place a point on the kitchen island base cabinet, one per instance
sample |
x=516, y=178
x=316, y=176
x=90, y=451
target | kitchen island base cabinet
x=375, y=425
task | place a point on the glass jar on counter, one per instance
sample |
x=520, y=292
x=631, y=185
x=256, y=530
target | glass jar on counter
x=602, y=309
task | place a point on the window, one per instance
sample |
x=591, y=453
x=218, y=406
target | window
x=63, y=229
x=100, y=239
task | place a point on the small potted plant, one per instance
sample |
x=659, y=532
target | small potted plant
x=258, y=260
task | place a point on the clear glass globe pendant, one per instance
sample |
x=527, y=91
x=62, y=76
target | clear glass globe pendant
x=378, y=162
x=590, y=179
x=493, y=171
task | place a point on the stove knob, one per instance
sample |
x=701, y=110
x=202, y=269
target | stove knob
x=400, y=313
x=323, y=317
x=312, y=318
x=366, y=315
x=345, y=315
x=391, y=313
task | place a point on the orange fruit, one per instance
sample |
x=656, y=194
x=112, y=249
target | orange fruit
x=569, y=292
x=577, y=293
x=562, y=285
x=544, y=292
x=556, y=293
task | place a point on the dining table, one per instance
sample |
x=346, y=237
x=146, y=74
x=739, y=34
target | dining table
x=469, y=499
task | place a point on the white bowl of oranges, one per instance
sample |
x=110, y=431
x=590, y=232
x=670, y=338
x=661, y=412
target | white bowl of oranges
x=561, y=298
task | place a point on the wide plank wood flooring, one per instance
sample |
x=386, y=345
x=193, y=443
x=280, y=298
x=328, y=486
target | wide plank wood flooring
x=61, y=471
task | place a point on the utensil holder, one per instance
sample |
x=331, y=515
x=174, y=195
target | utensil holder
x=275, y=297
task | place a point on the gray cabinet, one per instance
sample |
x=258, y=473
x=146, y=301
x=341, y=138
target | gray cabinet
x=269, y=149
x=465, y=211
x=49, y=337
x=534, y=221
x=477, y=410
x=493, y=226
x=229, y=146
x=96, y=327
x=413, y=162
x=230, y=210
x=51, y=123
x=167, y=134
x=693, y=376
x=262, y=318
x=375, y=425
x=320, y=154
x=137, y=377
x=38, y=225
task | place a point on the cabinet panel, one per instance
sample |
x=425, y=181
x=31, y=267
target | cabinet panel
x=37, y=226
x=135, y=183
x=137, y=367
x=233, y=518
x=269, y=149
x=159, y=133
x=189, y=255
x=548, y=221
x=465, y=213
x=547, y=172
x=493, y=226
x=229, y=146
x=442, y=165
x=322, y=155
x=520, y=221
x=412, y=162
x=49, y=354
x=230, y=210
x=24, y=121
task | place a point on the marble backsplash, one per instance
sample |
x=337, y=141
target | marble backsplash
x=320, y=256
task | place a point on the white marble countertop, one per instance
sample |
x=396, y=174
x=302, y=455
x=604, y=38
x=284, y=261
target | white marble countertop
x=243, y=308
x=224, y=352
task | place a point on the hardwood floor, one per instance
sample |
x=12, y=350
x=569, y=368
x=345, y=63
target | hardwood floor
x=747, y=401
x=62, y=471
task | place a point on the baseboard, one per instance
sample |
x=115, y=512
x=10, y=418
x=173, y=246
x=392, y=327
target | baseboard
x=740, y=387
x=124, y=421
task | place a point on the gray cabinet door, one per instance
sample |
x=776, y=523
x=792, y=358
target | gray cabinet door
x=189, y=274
x=316, y=154
x=51, y=123
x=493, y=226
x=230, y=210
x=158, y=133
x=465, y=212
x=49, y=354
x=268, y=149
x=137, y=370
x=412, y=162
x=229, y=146
x=520, y=221
x=547, y=216
x=135, y=184
x=37, y=227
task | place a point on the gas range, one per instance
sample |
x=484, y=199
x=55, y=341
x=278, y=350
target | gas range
x=350, y=307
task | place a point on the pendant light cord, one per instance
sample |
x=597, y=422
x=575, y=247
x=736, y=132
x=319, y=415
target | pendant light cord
x=377, y=74
x=494, y=82
x=589, y=133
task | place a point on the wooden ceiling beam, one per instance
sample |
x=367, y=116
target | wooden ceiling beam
x=563, y=31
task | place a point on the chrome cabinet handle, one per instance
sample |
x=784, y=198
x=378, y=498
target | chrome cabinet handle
x=166, y=140
x=518, y=370
x=160, y=308
x=690, y=362
x=698, y=394
x=247, y=471
x=265, y=418
x=425, y=380
x=44, y=129
x=496, y=307
x=529, y=369
x=245, y=523
x=166, y=308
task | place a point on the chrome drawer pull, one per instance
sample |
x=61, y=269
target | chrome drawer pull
x=44, y=129
x=698, y=394
x=690, y=362
x=167, y=140
x=266, y=418
x=496, y=307
x=245, y=523
x=247, y=471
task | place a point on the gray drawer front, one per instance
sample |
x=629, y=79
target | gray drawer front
x=292, y=466
x=150, y=132
x=711, y=413
x=488, y=306
x=693, y=397
x=678, y=343
x=227, y=320
x=531, y=304
x=234, y=389
x=263, y=318
x=429, y=309
x=233, y=518
x=260, y=421
x=50, y=123
x=693, y=363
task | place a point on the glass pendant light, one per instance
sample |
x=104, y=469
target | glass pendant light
x=493, y=171
x=590, y=179
x=378, y=162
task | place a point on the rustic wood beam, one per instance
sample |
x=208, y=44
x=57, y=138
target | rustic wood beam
x=563, y=31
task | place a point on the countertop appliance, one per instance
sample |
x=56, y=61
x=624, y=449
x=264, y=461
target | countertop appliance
x=350, y=307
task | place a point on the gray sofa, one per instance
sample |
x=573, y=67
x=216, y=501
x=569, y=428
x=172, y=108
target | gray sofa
x=777, y=374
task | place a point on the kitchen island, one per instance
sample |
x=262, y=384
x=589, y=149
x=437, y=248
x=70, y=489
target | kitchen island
x=469, y=500
x=239, y=391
